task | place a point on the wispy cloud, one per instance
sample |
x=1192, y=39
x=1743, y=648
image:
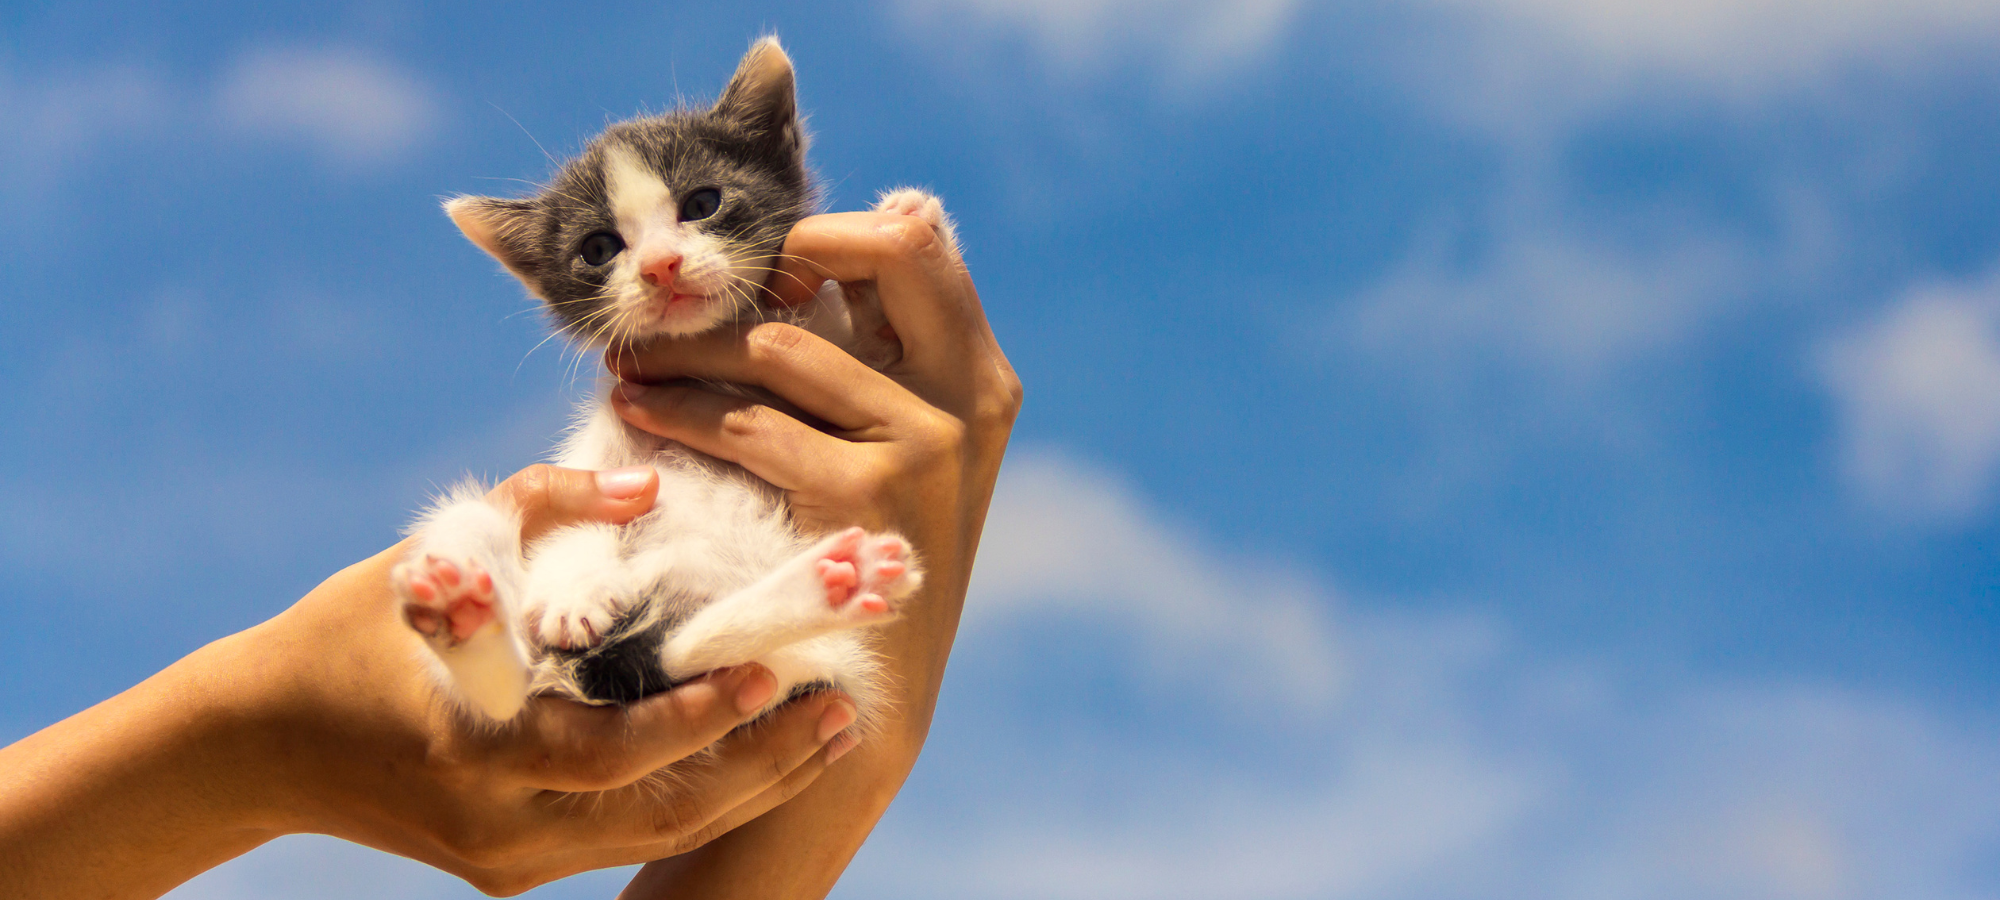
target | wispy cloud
x=1918, y=393
x=1546, y=299
x=1064, y=542
x=1194, y=37
x=1740, y=43
x=346, y=104
x=342, y=104
x=1564, y=52
x=50, y=119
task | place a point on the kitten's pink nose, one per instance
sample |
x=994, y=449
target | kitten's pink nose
x=659, y=271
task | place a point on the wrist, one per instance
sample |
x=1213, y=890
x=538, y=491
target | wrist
x=130, y=797
x=236, y=745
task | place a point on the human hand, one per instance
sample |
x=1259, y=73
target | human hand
x=325, y=720
x=915, y=449
x=560, y=789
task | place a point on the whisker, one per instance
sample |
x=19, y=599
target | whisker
x=524, y=130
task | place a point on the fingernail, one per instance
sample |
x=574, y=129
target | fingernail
x=755, y=690
x=625, y=483
x=840, y=746
x=839, y=714
x=633, y=393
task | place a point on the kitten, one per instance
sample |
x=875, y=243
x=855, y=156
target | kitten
x=665, y=226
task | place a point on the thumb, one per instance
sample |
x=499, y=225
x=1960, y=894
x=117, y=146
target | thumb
x=548, y=497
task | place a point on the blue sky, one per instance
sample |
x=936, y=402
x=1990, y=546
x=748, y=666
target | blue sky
x=1481, y=448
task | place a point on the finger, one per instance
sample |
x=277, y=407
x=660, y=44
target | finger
x=773, y=446
x=572, y=860
x=790, y=786
x=549, y=497
x=565, y=746
x=682, y=805
x=925, y=290
x=793, y=363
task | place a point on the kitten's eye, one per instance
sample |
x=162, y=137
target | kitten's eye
x=600, y=247
x=701, y=204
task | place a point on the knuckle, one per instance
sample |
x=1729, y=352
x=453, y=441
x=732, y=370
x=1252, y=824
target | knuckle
x=774, y=341
x=680, y=816
x=478, y=845
x=596, y=769
x=1005, y=404
x=912, y=237
x=777, y=768
x=865, y=481
x=937, y=439
x=746, y=420
x=533, y=485
x=696, y=839
x=668, y=404
x=792, y=786
x=502, y=883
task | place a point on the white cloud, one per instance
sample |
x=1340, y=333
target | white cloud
x=1546, y=299
x=347, y=104
x=343, y=104
x=1544, y=51
x=1918, y=395
x=1525, y=71
x=1064, y=542
x=1742, y=42
x=1197, y=36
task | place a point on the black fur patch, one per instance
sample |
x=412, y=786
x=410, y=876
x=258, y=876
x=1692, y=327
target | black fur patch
x=625, y=667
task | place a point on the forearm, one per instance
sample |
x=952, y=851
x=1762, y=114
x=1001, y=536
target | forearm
x=134, y=795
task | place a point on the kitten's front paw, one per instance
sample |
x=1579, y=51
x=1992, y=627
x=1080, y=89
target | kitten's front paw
x=864, y=576
x=445, y=601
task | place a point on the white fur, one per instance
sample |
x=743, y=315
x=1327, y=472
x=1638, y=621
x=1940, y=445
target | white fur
x=577, y=586
x=489, y=669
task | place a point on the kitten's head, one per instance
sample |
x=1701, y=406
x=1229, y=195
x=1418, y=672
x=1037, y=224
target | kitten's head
x=666, y=225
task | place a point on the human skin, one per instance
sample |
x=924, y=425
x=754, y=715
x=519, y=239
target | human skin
x=324, y=720
x=915, y=448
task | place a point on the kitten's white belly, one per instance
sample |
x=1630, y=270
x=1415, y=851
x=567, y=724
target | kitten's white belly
x=715, y=531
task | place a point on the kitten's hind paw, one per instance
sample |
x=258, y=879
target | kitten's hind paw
x=572, y=621
x=848, y=580
x=575, y=588
x=445, y=601
x=864, y=575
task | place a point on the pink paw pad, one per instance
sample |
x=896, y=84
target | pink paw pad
x=864, y=575
x=836, y=567
x=443, y=603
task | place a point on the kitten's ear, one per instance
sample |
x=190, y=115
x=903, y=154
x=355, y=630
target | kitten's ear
x=761, y=95
x=502, y=228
